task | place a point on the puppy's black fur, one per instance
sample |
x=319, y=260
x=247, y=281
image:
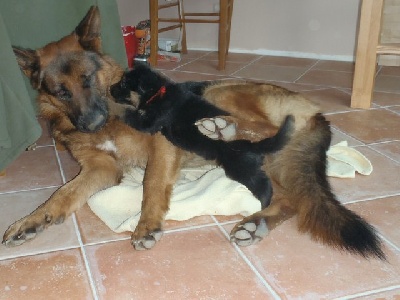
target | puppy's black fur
x=173, y=110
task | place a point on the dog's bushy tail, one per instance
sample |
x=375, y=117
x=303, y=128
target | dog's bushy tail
x=318, y=210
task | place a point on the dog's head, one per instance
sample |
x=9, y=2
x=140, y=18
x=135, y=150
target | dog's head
x=141, y=80
x=158, y=98
x=71, y=74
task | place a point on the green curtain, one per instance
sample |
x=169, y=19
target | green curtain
x=32, y=24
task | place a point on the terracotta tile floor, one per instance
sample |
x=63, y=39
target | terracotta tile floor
x=83, y=259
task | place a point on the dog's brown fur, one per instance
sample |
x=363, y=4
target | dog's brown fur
x=297, y=171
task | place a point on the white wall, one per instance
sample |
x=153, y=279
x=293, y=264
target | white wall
x=323, y=29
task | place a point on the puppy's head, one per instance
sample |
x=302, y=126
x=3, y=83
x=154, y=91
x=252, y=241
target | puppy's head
x=141, y=80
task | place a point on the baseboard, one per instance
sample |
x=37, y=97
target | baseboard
x=287, y=54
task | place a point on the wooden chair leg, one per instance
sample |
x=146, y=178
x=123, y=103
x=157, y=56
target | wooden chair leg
x=181, y=16
x=228, y=31
x=222, y=37
x=153, y=31
x=368, y=40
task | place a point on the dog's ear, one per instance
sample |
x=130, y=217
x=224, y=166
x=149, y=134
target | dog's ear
x=88, y=31
x=28, y=62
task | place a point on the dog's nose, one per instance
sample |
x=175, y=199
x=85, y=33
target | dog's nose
x=115, y=90
x=96, y=123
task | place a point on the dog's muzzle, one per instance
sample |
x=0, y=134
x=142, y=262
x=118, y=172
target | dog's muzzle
x=94, y=118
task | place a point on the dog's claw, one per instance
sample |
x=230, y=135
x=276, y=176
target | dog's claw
x=19, y=238
x=27, y=229
x=249, y=233
x=218, y=128
x=148, y=241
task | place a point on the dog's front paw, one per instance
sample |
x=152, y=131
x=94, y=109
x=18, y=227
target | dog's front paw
x=146, y=236
x=249, y=232
x=146, y=242
x=28, y=228
x=218, y=128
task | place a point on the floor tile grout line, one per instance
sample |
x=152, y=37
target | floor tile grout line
x=30, y=190
x=252, y=79
x=188, y=228
x=246, y=65
x=368, y=293
x=350, y=111
x=269, y=288
x=78, y=235
x=190, y=61
x=388, y=109
x=383, y=154
x=382, y=142
x=257, y=273
x=194, y=227
x=199, y=73
x=195, y=59
x=348, y=135
x=107, y=241
x=387, y=240
x=379, y=69
x=344, y=90
x=41, y=146
x=373, y=198
x=306, y=71
x=35, y=253
x=347, y=111
x=387, y=92
x=61, y=169
x=85, y=259
x=363, y=143
x=320, y=88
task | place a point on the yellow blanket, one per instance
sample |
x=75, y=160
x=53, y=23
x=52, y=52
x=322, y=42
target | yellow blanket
x=204, y=191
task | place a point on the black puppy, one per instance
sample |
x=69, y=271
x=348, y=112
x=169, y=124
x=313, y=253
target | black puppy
x=173, y=110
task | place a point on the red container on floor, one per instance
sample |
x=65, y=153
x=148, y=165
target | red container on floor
x=130, y=40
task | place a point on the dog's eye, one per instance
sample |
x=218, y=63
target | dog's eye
x=122, y=83
x=141, y=90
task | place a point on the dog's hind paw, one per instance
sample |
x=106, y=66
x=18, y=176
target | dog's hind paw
x=146, y=242
x=218, y=128
x=249, y=233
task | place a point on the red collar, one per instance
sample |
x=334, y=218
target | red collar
x=160, y=93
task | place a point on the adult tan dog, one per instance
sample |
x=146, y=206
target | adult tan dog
x=73, y=77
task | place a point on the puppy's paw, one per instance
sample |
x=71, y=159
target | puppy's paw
x=28, y=228
x=218, y=128
x=249, y=233
x=146, y=242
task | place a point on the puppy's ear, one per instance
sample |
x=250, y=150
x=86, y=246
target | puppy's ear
x=29, y=63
